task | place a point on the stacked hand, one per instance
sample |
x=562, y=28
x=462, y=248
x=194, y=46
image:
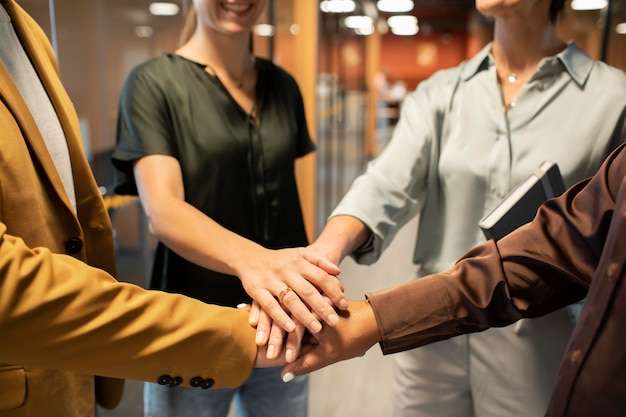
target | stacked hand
x=347, y=330
x=353, y=335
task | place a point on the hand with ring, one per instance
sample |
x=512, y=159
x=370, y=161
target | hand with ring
x=282, y=293
x=288, y=290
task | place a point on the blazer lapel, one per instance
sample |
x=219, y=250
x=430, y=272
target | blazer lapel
x=43, y=60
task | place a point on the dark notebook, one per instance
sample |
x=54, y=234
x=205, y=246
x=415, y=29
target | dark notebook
x=520, y=205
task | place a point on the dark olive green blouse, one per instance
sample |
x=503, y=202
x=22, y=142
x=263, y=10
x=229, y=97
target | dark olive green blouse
x=237, y=170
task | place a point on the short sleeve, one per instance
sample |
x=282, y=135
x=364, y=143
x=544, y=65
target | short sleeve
x=143, y=124
x=305, y=143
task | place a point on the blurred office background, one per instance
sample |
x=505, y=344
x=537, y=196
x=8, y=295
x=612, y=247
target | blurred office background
x=354, y=61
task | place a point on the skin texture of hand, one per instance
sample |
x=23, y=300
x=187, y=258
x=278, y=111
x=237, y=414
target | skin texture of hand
x=341, y=236
x=273, y=339
x=262, y=360
x=268, y=332
x=314, y=296
x=356, y=332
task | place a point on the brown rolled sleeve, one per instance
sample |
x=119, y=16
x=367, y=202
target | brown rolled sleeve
x=539, y=268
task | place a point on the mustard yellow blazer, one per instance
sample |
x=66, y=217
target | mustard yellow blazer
x=63, y=317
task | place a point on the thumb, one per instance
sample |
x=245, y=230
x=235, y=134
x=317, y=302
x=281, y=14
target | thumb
x=321, y=261
x=329, y=267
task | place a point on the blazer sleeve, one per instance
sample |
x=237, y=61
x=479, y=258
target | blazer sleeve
x=59, y=313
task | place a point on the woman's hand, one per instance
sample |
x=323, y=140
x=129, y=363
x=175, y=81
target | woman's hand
x=290, y=289
x=356, y=332
x=272, y=336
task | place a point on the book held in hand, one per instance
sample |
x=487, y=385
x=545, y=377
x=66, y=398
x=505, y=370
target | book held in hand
x=520, y=205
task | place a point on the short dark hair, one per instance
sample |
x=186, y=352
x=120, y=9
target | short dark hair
x=556, y=7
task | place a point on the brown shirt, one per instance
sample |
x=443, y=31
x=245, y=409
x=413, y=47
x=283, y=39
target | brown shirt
x=575, y=248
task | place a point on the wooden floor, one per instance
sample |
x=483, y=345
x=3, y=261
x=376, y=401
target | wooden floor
x=358, y=387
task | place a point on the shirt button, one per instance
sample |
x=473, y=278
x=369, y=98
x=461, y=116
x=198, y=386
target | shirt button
x=512, y=104
x=73, y=246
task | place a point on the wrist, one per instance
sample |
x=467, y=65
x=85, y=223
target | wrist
x=372, y=331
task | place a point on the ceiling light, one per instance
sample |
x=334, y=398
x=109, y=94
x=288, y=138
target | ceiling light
x=403, y=25
x=395, y=6
x=356, y=22
x=589, y=4
x=144, y=31
x=362, y=25
x=264, y=29
x=620, y=28
x=405, y=31
x=337, y=6
x=402, y=20
x=164, y=9
x=364, y=31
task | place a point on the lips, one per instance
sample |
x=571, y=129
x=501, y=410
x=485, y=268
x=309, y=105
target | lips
x=236, y=7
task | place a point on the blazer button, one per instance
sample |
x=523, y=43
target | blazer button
x=199, y=382
x=164, y=380
x=73, y=246
x=169, y=380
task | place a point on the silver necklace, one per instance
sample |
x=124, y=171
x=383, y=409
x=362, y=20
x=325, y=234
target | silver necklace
x=512, y=78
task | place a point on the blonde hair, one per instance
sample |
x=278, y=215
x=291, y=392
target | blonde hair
x=190, y=26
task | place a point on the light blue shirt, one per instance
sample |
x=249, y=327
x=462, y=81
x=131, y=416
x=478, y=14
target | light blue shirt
x=456, y=152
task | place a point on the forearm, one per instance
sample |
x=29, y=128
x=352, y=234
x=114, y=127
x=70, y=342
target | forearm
x=538, y=268
x=264, y=273
x=341, y=236
x=201, y=240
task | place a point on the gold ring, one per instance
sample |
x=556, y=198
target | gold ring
x=282, y=293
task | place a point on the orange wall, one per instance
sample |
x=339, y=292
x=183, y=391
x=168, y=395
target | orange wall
x=414, y=58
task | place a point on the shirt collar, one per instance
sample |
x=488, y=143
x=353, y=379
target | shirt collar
x=577, y=64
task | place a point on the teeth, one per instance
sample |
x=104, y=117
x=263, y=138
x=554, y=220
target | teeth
x=236, y=7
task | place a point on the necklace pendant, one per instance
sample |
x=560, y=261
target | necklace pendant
x=512, y=78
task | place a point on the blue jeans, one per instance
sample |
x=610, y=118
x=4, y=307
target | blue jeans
x=263, y=394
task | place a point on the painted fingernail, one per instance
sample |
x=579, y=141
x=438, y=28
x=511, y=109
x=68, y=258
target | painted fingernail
x=288, y=377
x=333, y=319
x=260, y=336
x=290, y=326
x=343, y=304
x=242, y=305
x=289, y=355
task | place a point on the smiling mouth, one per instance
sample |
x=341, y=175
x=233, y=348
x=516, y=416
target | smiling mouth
x=236, y=7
